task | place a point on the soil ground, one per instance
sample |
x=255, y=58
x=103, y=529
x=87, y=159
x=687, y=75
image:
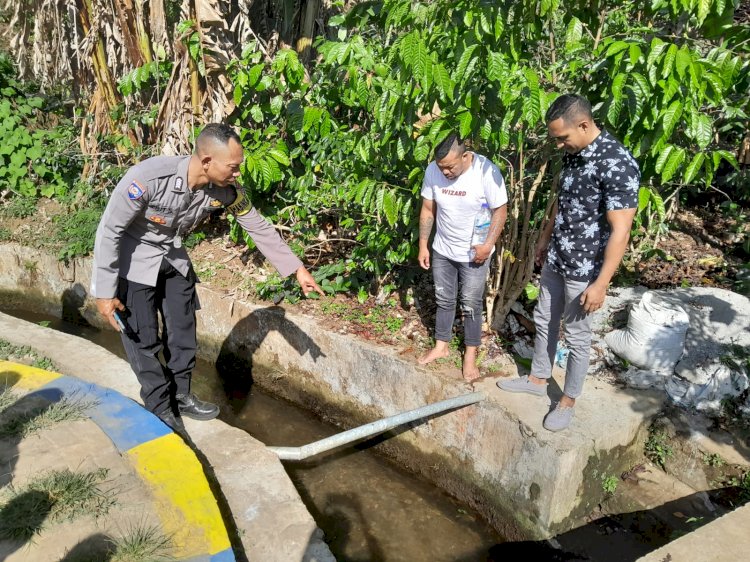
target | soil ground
x=702, y=248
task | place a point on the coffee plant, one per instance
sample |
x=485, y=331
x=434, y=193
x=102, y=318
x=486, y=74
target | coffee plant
x=338, y=152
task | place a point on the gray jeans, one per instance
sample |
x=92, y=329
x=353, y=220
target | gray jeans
x=472, y=278
x=559, y=298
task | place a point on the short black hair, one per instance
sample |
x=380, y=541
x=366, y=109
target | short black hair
x=451, y=142
x=216, y=133
x=569, y=106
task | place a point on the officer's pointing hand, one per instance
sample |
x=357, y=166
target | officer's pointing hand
x=307, y=283
x=107, y=307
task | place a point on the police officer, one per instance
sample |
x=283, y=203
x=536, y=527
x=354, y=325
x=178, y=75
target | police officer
x=142, y=271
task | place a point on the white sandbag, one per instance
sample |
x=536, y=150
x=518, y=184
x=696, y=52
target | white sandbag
x=705, y=385
x=655, y=336
x=641, y=379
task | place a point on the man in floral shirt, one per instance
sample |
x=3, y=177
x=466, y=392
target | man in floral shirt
x=580, y=248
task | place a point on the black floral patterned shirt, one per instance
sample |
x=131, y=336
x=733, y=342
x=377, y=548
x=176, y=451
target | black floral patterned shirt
x=602, y=177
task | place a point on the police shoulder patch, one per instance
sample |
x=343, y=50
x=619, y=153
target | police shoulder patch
x=241, y=205
x=135, y=191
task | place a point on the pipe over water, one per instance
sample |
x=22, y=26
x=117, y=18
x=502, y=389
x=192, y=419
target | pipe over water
x=375, y=428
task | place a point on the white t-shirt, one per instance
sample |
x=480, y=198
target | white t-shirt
x=458, y=202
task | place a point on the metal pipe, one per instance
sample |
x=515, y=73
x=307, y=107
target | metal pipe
x=374, y=428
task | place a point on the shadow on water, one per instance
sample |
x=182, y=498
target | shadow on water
x=234, y=363
x=73, y=300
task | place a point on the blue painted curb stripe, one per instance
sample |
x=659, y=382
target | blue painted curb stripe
x=126, y=423
x=131, y=428
x=223, y=556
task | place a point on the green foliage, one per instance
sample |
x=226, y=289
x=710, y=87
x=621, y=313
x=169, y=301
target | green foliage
x=609, y=484
x=337, y=277
x=193, y=239
x=380, y=319
x=44, y=416
x=350, y=139
x=657, y=448
x=38, y=154
x=141, y=543
x=52, y=497
x=188, y=32
x=24, y=354
x=20, y=207
x=713, y=459
x=531, y=291
x=75, y=230
x=142, y=88
x=150, y=75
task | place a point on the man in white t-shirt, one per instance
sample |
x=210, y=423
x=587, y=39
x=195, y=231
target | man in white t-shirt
x=456, y=185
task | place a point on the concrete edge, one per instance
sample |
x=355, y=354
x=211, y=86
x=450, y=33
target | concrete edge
x=528, y=484
x=168, y=467
x=270, y=521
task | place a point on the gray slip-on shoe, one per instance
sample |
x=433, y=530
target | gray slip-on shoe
x=523, y=384
x=559, y=418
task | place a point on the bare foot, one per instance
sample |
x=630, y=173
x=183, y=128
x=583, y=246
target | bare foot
x=470, y=370
x=437, y=352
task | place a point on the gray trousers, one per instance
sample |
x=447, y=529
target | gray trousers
x=559, y=299
x=471, y=279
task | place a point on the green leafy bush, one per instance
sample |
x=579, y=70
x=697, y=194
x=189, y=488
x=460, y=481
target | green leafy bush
x=38, y=154
x=342, y=147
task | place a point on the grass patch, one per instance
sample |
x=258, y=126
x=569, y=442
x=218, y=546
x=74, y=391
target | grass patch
x=657, y=448
x=141, y=544
x=24, y=354
x=52, y=497
x=28, y=422
x=19, y=207
x=76, y=231
x=7, y=397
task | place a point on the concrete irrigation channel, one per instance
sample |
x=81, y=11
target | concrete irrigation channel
x=494, y=454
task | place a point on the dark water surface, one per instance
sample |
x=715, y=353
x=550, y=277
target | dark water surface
x=368, y=508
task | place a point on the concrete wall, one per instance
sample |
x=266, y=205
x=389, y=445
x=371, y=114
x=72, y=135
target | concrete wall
x=495, y=455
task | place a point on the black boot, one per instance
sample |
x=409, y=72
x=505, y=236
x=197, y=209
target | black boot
x=191, y=407
x=174, y=422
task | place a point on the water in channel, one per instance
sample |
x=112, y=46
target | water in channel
x=369, y=509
